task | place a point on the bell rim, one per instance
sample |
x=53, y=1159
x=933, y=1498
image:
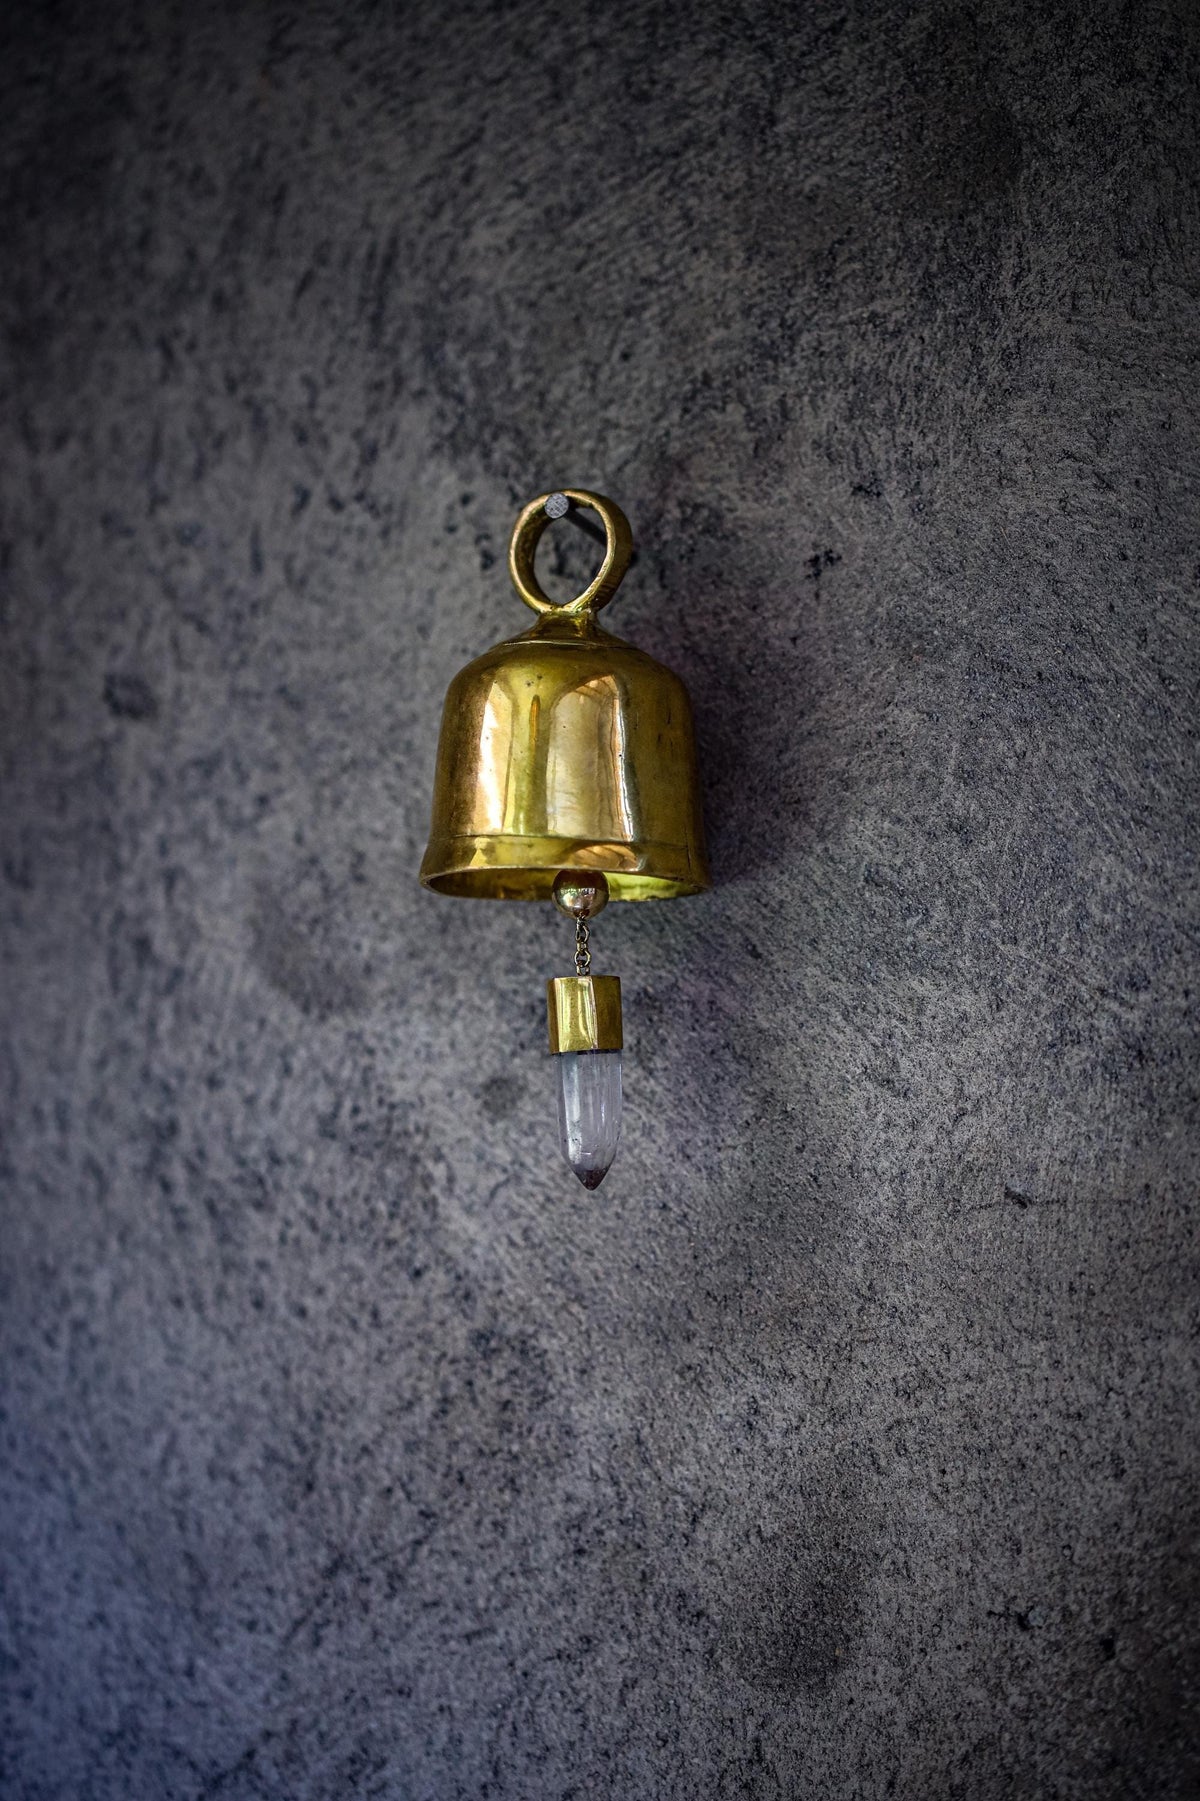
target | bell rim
x=508, y=868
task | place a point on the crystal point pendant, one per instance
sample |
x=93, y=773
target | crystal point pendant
x=584, y=1013
x=589, y=1111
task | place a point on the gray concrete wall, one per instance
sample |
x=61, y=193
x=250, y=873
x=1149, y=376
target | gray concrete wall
x=843, y=1443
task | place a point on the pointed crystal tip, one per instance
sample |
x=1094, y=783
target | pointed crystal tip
x=591, y=1178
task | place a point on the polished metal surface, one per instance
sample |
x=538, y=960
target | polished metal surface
x=566, y=748
x=584, y=1013
x=580, y=893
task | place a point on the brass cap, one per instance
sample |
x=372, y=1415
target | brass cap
x=584, y=1013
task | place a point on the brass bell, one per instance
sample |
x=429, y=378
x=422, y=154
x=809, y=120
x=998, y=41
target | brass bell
x=566, y=769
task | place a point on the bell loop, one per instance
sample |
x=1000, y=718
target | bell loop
x=618, y=547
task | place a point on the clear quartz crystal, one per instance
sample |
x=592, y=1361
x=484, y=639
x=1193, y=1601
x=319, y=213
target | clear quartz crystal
x=589, y=1111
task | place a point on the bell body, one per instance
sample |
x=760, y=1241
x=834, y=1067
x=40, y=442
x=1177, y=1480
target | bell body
x=565, y=748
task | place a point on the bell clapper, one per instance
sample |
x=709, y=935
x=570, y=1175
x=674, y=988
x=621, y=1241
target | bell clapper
x=585, y=1037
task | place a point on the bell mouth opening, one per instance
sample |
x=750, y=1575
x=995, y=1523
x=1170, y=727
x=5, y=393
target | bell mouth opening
x=538, y=884
x=507, y=866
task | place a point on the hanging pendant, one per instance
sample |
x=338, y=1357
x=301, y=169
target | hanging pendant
x=585, y=1038
x=566, y=770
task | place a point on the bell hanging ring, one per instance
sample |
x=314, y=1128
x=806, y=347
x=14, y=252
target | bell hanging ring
x=566, y=768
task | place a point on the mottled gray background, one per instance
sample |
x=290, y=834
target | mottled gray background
x=843, y=1444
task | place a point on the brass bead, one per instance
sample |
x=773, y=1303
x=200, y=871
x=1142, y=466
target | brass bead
x=580, y=893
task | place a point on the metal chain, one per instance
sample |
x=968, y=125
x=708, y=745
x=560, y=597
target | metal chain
x=583, y=954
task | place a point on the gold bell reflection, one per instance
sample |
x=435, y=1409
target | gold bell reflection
x=566, y=748
x=566, y=768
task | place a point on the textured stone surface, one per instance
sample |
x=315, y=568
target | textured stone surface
x=348, y=1447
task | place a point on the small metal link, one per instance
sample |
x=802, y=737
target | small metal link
x=583, y=954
